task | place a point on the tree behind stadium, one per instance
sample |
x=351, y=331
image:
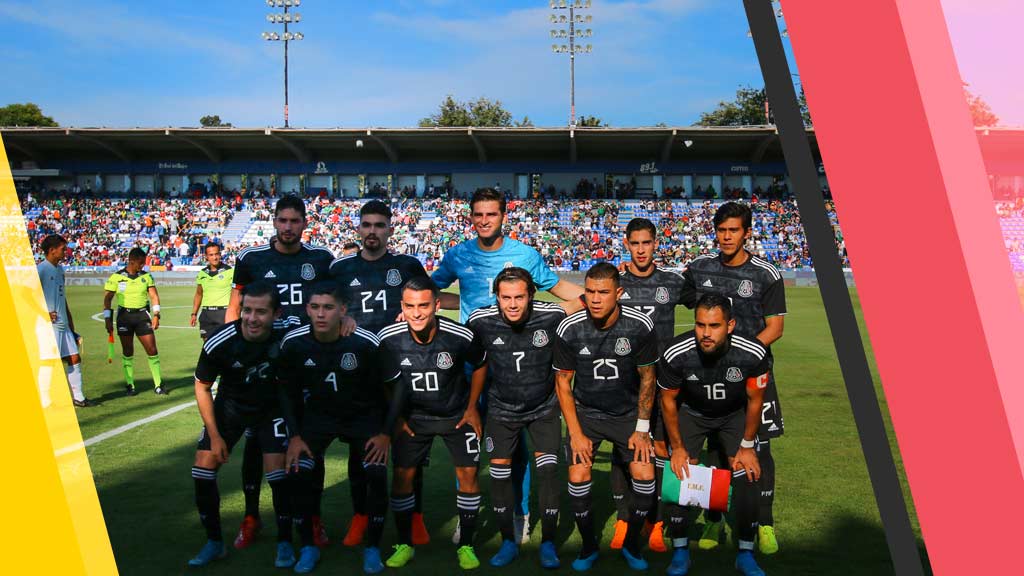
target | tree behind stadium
x=748, y=109
x=27, y=114
x=481, y=112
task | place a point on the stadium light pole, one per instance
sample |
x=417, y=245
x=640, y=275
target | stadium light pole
x=572, y=34
x=285, y=18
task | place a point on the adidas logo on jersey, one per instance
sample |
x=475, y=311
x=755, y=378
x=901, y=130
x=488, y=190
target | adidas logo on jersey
x=498, y=341
x=270, y=274
x=585, y=351
x=309, y=362
x=707, y=283
x=470, y=269
x=237, y=364
x=355, y=282
x=692, y=378
x=625, y=296
x=406, y=362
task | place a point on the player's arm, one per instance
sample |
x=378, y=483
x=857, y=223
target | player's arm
x=234, y=305
x=680, y=462
x=71, y=321
x=688, y=296
x=582, y=447
x=746, y=456
x=154, y=299
x=773, y=302
x=108, y=314
x=450, y=301
x=376, y=448
x=567, y=291
x=196, y=301
x=472, y=415
x=204, y=399
x=772, y=330
x=640, y=441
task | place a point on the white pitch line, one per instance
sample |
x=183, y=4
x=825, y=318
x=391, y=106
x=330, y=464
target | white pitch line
x=122, y=429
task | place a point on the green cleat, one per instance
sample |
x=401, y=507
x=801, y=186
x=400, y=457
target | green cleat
x=766, y=541
x=710, y=537
x=467, y=558
x=403, y=555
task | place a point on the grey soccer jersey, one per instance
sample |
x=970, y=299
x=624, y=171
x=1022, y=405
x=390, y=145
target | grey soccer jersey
x=52, y=280
x=656, y=296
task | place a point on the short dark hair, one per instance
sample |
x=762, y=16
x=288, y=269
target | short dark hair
x=136, y=254
x=514, y=274
x=52, y=241
x=290, y=201
x=637, y=224
x=259, y=289
x=375, y=207
x=211, y=244
x=734, y=210
x=603, y=271
x=421, y=283
x=350, y=246
x=487, y=195
x=332, y=289
x=711, y=301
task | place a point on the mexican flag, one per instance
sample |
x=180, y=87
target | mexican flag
x=709, y=488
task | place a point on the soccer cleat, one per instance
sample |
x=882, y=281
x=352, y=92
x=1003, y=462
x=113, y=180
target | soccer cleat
x=247, y=532
x=211, y=551
x=746, y=564
x=635, y=562
x=130, y=390
x=420, y=536
x=506, y=554
x=656, y=542
x=285, y=555
x=549, y=556
x=371, y=560
x=467, y=558
x=710, y=537
x=356, y=530
x=621, y=527
x=766, y=541
x=402, y=555
x=160, y=391
x=522, y=528
x=319, y=533
x=84, y=403
x=457, y=533
x=308, y=558
x=582, y=564
x=680, y=565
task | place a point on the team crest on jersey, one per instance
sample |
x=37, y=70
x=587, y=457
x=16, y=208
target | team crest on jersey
x=540, y=338
x=348, y=361
x=444, y=361
x=394, y=277
x=489, y=444
x=661, y=295
x=746, y=289
x=733, y=374
x=622, y=346
x=308, y=273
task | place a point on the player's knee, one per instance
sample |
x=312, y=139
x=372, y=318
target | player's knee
x=273, y=462
x=501, y=462
x=401, y=480
x=467, y=478
x=641, y=471
x=695, y=461
x=206, y=459
x=74, y=360
x=579, y=473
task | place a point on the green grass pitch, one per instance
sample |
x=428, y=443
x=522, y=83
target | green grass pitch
x=826, y=518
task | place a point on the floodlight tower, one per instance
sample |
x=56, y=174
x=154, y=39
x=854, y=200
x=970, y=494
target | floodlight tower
x=285, y=18
x=572, y=34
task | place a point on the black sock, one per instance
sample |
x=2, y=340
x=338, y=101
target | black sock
x=319, y=472
x=252, y=475
x=767, y=482
x=377, y=502
x=357, y=481
x=745, y=504
x=678, y=521
x=403, y=505
x=618, y=479
x=643, y=501
x=469, y=506
x=304, y=496
x=659, y=468
x=502, y=499
x=547, y=473
x=208, y=501
x=417, y=488
x=579, y=503
x=280, y=489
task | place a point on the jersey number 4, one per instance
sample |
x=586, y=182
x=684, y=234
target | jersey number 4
x=381, y=296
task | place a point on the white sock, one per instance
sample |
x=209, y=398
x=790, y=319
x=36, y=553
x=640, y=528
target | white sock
x=75, y=381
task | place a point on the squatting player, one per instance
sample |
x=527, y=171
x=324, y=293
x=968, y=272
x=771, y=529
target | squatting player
x=135, y=291
x=213, y=292
x=611, y=350
x=434, y=399
x=346, y=402
x=718, y=377
x=518, y=334
x=51, y=278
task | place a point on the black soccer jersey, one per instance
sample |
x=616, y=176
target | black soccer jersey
x=755, y=288
x=375, y=287
x=433, y=377
x=291, y=273
x=519, y=360
x=713, y=386
x=245, y=368
x=607, y=384
x=657, y=296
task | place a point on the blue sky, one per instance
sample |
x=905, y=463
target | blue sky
x=384, y=63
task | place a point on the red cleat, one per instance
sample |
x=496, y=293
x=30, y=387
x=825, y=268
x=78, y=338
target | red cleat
x=356, y=530
x=319, y=534
x=420, y=536
x=247, y=532
x=656, y=543
x=621, y=526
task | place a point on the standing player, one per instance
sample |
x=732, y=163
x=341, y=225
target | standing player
x=757, y=293
x=135, y=291
x=719, y=378
x=434, y=399
x=611, y=350
x=213, y=292
x=517, y=334
x=241, y=354
x=51, y=278
x=346, y=402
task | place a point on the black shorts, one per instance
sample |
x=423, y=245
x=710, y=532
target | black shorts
x=319, y=428
x=138, y=323
x=726, y=430
x=411, y=451
x=771, y=412
x=502, y=436
x=268, y=429
x=210, y=320
x=614, y=430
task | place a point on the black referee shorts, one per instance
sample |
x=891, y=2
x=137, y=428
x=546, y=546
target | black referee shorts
x=411, y=451
x=210, y=319
x=134, y=323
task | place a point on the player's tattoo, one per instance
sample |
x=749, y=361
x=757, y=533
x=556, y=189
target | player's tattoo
x=647, y=385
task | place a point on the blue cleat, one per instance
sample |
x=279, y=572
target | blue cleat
x=308, y=557
x=506, y=554
x=680, y=565
x=372, y=563
x=582, y=564
x=635, y=562
x=746, y=564
x=285, y=555
x=549, y=556
x=211, y=551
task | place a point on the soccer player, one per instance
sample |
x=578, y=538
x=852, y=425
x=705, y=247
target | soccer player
x=611, y=350
x=135, y=291
x=241, y=354
x=213, y=292
x=346, y=402
x=517, y=334
x=51, y=278
x=718, y=377
x=757, y=292
x=434, y=400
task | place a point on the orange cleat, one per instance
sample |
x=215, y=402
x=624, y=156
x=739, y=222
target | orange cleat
x=356, y=530
x=319, y=534
x=420, y=536
x=247, y=532
x=656, y=543
x=621, y=527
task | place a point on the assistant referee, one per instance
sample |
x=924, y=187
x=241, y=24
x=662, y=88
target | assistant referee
x=213, y=292
x=135, y=290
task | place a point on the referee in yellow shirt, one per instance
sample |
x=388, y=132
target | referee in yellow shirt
x=135, y=291
x=213, y=291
